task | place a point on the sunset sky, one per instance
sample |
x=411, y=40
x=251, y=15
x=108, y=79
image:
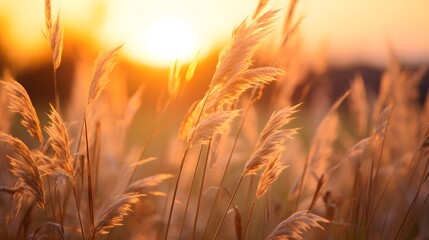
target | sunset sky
x=346, y=31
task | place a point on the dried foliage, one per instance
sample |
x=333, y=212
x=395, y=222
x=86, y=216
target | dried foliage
x=19, y=102
x=104, y=65
x=295, y=225
x=272, y=140
x=213, y=124
x=55, y=33
x=25, y=169
x=364, y=169
x=113, y=215
x=274, y=168
x=59, y=140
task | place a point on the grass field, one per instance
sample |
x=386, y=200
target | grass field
x=262, y=153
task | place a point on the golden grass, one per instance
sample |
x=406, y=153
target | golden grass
x=360, y=174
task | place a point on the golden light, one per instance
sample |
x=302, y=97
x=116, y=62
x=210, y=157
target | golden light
x=162, y=42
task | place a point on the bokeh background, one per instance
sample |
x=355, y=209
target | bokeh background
x=335, y=40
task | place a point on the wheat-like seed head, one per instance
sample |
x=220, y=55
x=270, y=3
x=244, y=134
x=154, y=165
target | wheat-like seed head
x=19, y=102
x=151, y=181
x=25, y=169
x=272, y=140
x=381, y=124
x=232, y=76
x=13, y=212
x=359, y=104
x=189, y=120
x=270, y=175
x=356, y=152
x=60, y=143
x=228, y=92
x=295, y=225
x=211, y=125
x=236, y=56
x=326, y=133
x=114, y=214
x=104, y=65
x=56, y=34
x=277, y=121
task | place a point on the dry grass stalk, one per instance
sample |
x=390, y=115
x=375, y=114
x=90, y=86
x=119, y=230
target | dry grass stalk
x=381, y=125
x=238, y=222
x=269, y=146
x=261, y=6
x=174, y=79
x=19, y=102
x=359, y=104
x=290, y=15
x=151, y=181
x=271, y=141
x=236, y=56
x=273, y=170
x=5, y=113
x=60, y=143
x=322, y=144
x=104, y=65
x=14, y=211
x=231, y=90
x=320, y=186
x=191, y=69
x=295, y=226
x=143, y=161
x=213, y=124
x=114, y=214
x=131, y=109
x=187, y=123
x=25, y=169
x=232, y=76
x=55, y=35
x=356, y=152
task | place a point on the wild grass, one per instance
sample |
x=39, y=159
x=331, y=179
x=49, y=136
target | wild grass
x=358, y=172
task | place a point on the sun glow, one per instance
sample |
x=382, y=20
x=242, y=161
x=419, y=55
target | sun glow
x=164, y=41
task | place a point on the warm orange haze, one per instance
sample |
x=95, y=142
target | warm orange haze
x=203, y=119
x=344, y=32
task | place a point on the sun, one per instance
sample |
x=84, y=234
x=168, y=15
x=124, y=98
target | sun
x=163, y=41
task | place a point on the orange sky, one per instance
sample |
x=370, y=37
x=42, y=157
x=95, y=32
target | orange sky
x=348, y=31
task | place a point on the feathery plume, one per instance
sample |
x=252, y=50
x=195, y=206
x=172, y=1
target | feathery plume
x=261, y=5
x=104, y=65
x=232, y=89
x=213, y=124
x=133, y=105
x=236, y=56
x=359, y=104
x=381, y=124
x=142, y=161
x=191, y=68
x=19, y=102
x=270, y=175
x=189, y=119
x=113, y=215
x=356, y=152
x=25, y=169
x=326, y=134
x=151, y=181
x=271, y=141
x=321, y=148
x=295, y=226
x=55, y=35
x=60, y=143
